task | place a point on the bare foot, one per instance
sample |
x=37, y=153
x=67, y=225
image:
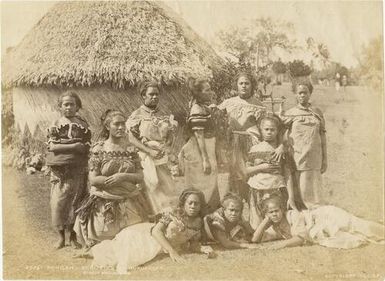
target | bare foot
x=61, y=241
x=73, y=242
x=59, y=244
x=83, y=255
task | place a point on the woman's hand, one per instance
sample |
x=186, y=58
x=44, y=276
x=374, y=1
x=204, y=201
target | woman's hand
x=279, y=153
x=291, y=204
x=206, y=166
x=268, y=168
x=176, y=257
x=266, y=223
x=155, y=154
x=115, y=179
x=208, y=251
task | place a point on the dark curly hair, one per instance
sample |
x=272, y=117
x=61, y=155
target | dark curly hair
x=195, y=86
x=230, y=196
x=270, y=117
x=249, y=77
x=275, y=199
x=302, y=81
x=71, y=94
x=143, y=86
x=183, y=197
x=106, y=119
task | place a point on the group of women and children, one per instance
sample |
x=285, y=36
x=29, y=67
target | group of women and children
x=132, y=211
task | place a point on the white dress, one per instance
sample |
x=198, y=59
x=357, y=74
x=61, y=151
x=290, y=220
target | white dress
x=134, y=245
x=328, y=226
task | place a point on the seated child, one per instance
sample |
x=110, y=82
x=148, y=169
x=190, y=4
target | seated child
x=327, y=226
x=226, y=226
x=267, y=176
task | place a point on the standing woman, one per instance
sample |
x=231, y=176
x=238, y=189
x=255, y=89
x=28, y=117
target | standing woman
x=199, y=154
x=143, y=127
x=68, y=145
x=243, y=111
x=307, y=142
x=116, y=199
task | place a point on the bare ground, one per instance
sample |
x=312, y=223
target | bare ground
x=354, y=181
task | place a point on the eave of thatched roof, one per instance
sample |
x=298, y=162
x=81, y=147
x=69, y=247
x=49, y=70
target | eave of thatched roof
x=108, y=42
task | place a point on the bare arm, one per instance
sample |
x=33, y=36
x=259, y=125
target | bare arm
x=103, y=182
x=225, y=242
x=134, y=140
x=292, y=242
x=118, y=178
x=258, y=234
x=324, y=152
x=228, y=244
x=96, y=179
x=158, y=234
x=199, y=135
x=138, y=143
x=76, y=147
x=261, y=168
x=290, y=188
x=136, y=177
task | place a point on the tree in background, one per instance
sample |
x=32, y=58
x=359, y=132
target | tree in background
x=254, y=43
x=329, y=72
x=298, y=68
x=223, y=79
x=279, y=69
x=370, y=64
x=319, y=51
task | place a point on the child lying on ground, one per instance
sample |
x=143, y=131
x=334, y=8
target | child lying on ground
x=328, y=226
x=226, y=225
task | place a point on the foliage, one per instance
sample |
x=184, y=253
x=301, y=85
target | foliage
x=223, y=79
x=298, y=68
x=330, y=70
x=254, y=43
x=318, y=50
x=279, y=67
x=371, y=61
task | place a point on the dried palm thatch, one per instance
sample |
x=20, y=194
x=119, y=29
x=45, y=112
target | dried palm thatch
x=108, y=43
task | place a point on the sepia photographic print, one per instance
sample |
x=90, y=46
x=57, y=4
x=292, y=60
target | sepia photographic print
x=192, y=140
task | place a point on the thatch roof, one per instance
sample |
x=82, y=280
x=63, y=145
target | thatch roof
x=109, y=42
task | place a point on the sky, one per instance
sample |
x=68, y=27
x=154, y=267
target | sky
x=342, y=25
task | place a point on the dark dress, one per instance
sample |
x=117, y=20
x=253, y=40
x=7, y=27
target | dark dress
x=68, y=171
x=200, y=119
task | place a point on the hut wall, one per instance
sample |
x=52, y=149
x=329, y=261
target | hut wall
x=36, y=108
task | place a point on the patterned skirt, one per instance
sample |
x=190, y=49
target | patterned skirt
x=68, y=189
x=99, y=219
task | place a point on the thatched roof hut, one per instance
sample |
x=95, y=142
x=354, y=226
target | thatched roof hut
x=102, y=50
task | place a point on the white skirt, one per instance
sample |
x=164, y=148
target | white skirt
x=131, y=247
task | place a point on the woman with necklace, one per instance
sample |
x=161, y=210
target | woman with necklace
x=116, y=199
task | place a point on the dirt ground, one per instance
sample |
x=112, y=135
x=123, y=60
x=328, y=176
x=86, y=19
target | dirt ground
x=354, y=181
